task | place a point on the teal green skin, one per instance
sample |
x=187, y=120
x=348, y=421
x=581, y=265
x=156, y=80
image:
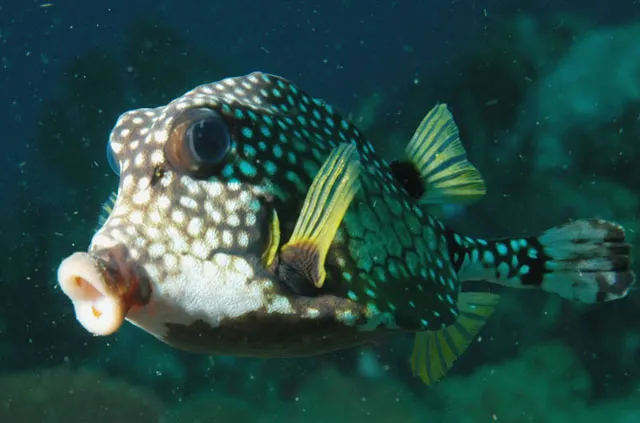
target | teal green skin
x=388, y=255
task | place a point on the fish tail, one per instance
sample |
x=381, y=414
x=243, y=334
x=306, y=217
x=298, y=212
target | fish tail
x=586, y=261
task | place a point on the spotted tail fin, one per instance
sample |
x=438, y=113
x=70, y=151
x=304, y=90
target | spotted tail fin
x=586, y=261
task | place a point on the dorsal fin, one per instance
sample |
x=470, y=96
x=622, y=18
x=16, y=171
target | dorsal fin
x=438, y=157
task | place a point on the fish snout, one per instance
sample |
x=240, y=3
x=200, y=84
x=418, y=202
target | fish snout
x=103, y=287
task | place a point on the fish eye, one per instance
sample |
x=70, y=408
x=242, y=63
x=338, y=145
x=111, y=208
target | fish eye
x=113, y=162
x=199, y=142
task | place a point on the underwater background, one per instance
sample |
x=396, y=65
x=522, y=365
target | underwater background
x=547, y=98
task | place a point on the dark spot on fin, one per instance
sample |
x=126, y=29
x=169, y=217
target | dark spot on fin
x=408, y=176
x=436, y=152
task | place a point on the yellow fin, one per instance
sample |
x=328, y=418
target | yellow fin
x=269, y=255
x=326, y=203
x=435, y=351
x=439, y=156
x=107, y=208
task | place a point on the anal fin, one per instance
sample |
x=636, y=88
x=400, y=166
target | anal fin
x=434, y=352
x=436, y=152
x=324, y=207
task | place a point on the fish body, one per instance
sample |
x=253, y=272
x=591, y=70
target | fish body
x=253, y=219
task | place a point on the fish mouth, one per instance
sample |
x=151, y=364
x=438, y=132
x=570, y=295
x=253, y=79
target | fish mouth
x=101, y=293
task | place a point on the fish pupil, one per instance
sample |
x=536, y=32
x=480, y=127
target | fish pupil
x=209, y=139
x=409, y=177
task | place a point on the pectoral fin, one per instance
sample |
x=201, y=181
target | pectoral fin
x=324, y=207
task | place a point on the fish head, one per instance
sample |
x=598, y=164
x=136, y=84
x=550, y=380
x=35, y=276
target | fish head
x=186, y=237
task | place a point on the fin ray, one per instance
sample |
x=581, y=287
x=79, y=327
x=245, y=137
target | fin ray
x=330, y=195
x=440, y=158
x=107, y=208
x=434, y=352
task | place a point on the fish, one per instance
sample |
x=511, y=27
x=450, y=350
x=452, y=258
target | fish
x=252, y=219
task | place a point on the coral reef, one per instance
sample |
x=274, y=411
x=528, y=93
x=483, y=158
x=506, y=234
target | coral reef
x=62, y=395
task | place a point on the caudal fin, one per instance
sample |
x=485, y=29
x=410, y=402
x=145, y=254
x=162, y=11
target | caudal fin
x=585, y=261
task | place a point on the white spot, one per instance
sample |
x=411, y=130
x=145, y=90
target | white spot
x=233, y=220
x=155, y=217
x=214, y=189
x=243, y=239
x=280, y=305
x=143, y=182
x=140, y=242
x=191, y=186
x=127, y=182
x=170, y=261
x=188, y=202
x=311, y=313
x=215, y=214
x=179, y=243
x=195, y=227
x=212, y=238
x=164, y=202
x=125, y=132
x=136, y=217
x=231, y=205
x=222, y=259
x=199, y=249
x=152, y=232
x=160, y=135
x=141, y=197
x=116, y=147
x=135, y=253
x=178, y=216
x=139, y=160
x=157, y=157
x=100, y=241
x=227, y=238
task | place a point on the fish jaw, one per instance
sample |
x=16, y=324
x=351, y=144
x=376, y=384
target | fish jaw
x=103, y=288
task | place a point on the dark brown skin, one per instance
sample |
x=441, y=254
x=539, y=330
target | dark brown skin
x=271, y=334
